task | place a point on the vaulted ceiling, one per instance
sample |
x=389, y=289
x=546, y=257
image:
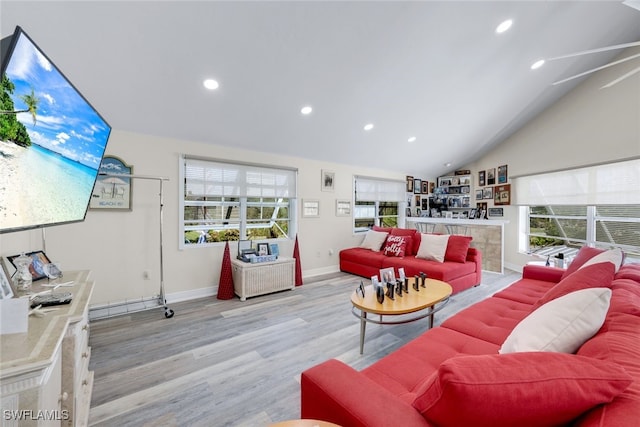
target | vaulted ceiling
x=437, y=71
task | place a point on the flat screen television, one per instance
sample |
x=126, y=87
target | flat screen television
x=51, y=141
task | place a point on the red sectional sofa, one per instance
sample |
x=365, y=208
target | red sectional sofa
x=454, y=375
x=461, y=268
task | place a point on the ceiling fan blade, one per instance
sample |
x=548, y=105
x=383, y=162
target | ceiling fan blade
x=621, y=78
x=610, y=64
x=600, y=49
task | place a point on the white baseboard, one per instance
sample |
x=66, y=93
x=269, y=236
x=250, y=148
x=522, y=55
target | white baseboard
x=117, y=308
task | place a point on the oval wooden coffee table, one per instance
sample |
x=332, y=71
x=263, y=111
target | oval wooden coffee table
x=421, y=303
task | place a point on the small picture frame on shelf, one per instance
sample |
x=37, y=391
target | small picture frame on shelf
x=472, y=213
x=387, y=275
x=274, y=249
x=496, y=212
x=7, y=289
x=262, y=249
x=38, y=260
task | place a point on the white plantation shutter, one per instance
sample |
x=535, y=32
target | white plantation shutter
x=213, y=178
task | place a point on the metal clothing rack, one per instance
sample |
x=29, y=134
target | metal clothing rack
x=168, y=313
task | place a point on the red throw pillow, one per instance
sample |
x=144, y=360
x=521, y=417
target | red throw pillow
x=584, y=254
x=412, y=249
x=598, y=275
x=457, y=248
x=395, y=246
x=518, y=389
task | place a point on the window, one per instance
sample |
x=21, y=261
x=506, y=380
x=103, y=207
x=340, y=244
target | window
x=224, y=201
x=595, y=206
x=377, y=202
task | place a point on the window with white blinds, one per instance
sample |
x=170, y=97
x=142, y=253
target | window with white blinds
x=224, y=201
x=610, y=184
x=377, y=202
x=595, y=206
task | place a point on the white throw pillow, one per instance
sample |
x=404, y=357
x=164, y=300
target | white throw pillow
x=561, y=325
x=373, y=240
x=613, y=255
x=433, y=246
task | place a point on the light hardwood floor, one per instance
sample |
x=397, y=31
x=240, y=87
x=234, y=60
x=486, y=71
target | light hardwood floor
x=233, y=363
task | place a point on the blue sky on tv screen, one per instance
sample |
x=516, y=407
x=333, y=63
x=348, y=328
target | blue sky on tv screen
x=65, y=122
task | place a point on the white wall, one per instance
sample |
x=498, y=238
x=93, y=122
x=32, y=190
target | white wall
x=587, y=126
x=119, y=246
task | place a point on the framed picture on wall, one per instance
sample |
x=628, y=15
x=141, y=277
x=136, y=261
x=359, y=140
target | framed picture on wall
x=491, y=176
x=328, y=180
x=482, y=178
x=479, y=194
x=425, y=187
x=487, y=193
x=343, y=207
x=113, y=189
x=502, y=174
x=417, y=186
x=310, y=208
x=502, y=195
x=409, y=184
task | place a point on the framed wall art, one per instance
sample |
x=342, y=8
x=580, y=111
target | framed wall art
x=502, y=174
x=343, y=207
x=496, y=212
x=417, y=186
x=112, y=192
x=491, y=176
x=409, y=184
x=482, y=178
x=502, y=195
x=487, y=193
x=310, y=208
x=478, y=194
x=328, y=180
x=425, y=187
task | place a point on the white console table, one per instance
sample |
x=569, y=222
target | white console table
x=44, y=372
x=252, y=279
x=488, y=236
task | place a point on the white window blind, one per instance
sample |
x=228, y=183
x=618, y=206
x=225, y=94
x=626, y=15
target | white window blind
x=379, y=190
x=209, y=178
x=610, y=184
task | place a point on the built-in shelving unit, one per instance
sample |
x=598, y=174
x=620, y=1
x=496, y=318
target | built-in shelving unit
x=453, y=194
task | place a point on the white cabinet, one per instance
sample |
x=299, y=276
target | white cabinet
x=44, y=376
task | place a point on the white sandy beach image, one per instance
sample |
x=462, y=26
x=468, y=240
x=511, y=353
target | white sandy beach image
x=38, y=186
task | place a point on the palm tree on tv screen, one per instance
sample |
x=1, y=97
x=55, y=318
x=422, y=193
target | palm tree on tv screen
x=10, y=128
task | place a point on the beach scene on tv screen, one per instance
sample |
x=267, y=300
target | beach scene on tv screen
x=51, y=143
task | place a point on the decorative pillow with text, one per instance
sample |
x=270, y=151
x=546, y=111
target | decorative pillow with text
x=396, y=246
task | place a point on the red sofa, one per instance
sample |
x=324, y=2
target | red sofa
x=462, y=266
x=458, y=362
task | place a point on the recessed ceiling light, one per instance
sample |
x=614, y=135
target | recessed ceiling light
x=368, y=126
x=211, y=84
x=539, y=63
x=504, y=26
x=412, y=139
x=306, y=110
x=447, y=165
